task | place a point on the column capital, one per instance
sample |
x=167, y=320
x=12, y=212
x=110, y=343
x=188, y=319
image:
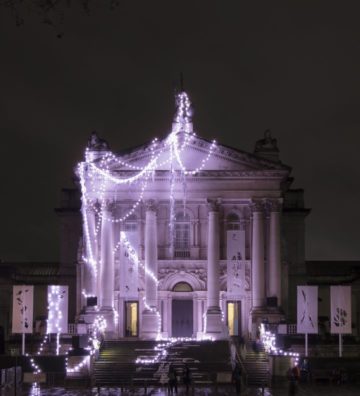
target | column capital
x=109, y=205
x=257, y=206
x=213, y=205
x=274, y=205
x=151, y=205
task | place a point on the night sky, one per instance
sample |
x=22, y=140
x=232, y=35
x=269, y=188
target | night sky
x=291, y=66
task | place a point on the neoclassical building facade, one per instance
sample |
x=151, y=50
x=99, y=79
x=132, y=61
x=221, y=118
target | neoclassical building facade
x=184, y=237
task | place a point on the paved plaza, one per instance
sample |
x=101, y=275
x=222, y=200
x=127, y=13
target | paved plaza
x=308, y=390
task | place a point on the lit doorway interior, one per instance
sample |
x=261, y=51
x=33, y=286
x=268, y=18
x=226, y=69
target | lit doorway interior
x=233, y=310
x=131, y=319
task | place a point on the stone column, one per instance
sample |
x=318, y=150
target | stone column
x=90, y=273
x=150, y=316
x=257, y=257
x=274, y=252
x=107, y=261
x=151, y=255
x=214, y=326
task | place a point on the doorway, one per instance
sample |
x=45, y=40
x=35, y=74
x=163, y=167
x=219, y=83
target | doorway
x=131, y=319
x=233, y=311
x=182, y=318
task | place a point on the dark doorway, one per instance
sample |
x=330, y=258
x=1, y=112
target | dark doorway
x=182, y=318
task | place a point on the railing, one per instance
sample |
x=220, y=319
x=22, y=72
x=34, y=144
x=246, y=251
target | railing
x=181, y=253
x=292, y=328
x=234, y=345
x=78, y=328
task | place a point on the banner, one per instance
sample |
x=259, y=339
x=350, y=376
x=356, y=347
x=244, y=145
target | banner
x=340, y=297
x=22, y=313
x=129, y=271
x=235, y=262
x=307, y=309
x=58, y=301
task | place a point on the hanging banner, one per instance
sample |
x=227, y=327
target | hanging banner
x=235, y=262
x=58, y=301
x=22, y=313
x=307, y=309
x=340, y=297
x=129, y=271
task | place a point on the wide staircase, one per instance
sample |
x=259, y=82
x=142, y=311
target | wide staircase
x=116, y=365
x=257, y=367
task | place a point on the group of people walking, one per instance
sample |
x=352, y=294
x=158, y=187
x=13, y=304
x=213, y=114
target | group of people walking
x=173, y=379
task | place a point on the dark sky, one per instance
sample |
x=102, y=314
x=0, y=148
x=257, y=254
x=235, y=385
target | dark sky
x=291, y=66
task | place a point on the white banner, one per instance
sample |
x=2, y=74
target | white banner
x=307, y=309
x=235, y=262
x=58, y=301
x=22, y=314
x=340, y=297
x=129, y=271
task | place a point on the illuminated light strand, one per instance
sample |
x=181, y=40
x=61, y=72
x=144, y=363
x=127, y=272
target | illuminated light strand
x=134, y=256
x=55, y=315
x=269, y=341
x=99, y=326
x=131, y=179
x=89, y=252
x=95, y=179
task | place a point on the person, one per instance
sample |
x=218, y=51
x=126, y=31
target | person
x=293, y=376
x=236, y=378
x=172, y=380
x=187, y=378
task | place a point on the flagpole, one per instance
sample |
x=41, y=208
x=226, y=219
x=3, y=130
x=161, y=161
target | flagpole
x=306, y=344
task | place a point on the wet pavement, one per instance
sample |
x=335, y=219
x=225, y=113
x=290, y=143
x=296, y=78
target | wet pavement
x=308, y=390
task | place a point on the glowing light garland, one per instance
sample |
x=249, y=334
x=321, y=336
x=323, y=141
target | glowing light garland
x=97, y=178
x=55, y=314
x=268, y=339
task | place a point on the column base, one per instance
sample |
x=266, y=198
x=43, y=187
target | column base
x=264, y=314
x=149, y=325
x=109, y=316
x=214, y=326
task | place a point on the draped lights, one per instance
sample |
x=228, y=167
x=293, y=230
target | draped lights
x=97, y=330
x=134, y=256
x=269, y=341
x=99, y=182
x=55, y=314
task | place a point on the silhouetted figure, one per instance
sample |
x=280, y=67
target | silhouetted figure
x=172, y=380
x=236, y=378
x=187, y=378
x=293, y=375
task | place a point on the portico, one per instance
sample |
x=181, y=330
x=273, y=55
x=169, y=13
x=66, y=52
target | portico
x=181, y=232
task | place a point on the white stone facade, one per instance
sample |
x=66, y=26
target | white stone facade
x=209, y=243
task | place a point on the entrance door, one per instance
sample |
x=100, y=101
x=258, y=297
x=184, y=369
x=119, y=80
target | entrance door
x=234, y=317
x=131, y=318
x=182, y=318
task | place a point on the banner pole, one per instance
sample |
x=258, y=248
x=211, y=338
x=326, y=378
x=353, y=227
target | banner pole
x=306, y=344
x=23, y=344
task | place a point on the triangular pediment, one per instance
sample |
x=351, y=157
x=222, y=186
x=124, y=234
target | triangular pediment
x=197, y=153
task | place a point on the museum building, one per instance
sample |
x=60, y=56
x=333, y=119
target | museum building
x=185, y=237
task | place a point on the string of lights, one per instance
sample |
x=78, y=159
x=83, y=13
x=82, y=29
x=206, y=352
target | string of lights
x=98, y=177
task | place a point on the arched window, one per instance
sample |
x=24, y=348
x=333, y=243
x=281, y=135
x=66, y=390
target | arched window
x=233, y=222
x=182, y=235
x=130, y=223
x=182, y=287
